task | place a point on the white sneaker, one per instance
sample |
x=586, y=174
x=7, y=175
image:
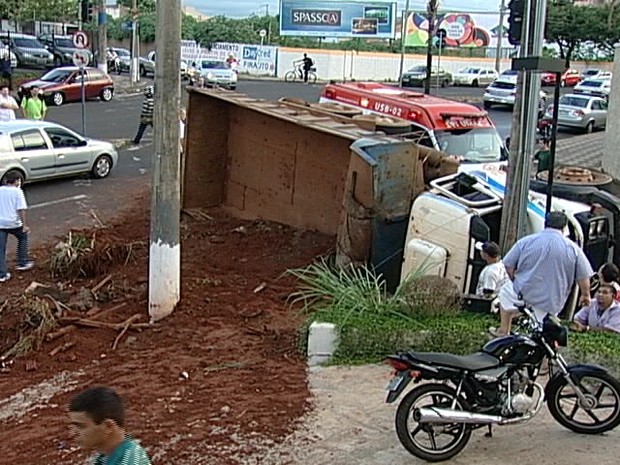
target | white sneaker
x=25, y=267
x=5, y=278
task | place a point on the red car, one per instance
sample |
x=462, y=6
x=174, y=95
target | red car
x=64, y=84
x=570, y=78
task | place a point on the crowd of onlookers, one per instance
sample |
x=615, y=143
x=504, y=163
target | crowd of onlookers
x=541, y=269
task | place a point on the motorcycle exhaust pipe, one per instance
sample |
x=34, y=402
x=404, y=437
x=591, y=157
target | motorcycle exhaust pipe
x=444, y=415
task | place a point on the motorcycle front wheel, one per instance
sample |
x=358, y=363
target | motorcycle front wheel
x=598, y=413
x=428, y=441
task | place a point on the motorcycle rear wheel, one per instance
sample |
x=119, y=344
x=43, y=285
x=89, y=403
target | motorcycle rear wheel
x=595, y=386
x=440, y=396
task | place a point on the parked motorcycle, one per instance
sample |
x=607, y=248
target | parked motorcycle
x=497, y=386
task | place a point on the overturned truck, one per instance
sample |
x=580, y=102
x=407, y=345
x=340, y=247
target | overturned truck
x=389, y=202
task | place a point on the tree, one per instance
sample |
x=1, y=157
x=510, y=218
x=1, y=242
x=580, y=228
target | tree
x=569, y=26
x=144, y=6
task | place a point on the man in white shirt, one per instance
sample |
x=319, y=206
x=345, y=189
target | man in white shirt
x=13, y=221
x=8, y=105
x=494, y=275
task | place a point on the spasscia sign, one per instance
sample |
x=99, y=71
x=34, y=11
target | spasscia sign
x=316, y=17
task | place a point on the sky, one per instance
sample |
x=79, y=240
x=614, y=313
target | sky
x=242, y=8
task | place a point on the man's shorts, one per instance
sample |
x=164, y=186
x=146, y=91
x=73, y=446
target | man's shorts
x=507, y=298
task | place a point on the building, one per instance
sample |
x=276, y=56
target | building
x=590, y=2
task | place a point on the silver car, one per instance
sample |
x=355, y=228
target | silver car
x=475, y=76
x=599, y=87
x=585, y=112
x=503, y=91
x=38, y=150
x=218, y=74
x=28, y=50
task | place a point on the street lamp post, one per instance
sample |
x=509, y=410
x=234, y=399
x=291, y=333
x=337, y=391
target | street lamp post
x=403, y=35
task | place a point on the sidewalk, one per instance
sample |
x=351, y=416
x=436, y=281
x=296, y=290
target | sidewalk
x=584, y=150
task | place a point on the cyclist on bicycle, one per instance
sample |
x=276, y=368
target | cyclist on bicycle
x=305, y=65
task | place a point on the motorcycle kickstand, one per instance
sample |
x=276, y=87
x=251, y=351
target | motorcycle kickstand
x=489, y=434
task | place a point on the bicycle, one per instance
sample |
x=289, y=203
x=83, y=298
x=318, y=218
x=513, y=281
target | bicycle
x=298, y=73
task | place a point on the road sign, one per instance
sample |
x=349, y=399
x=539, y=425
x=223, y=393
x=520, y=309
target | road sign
x=81, y=58
x=80, y=39
x=263, y=33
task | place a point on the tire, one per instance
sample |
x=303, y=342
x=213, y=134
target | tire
x=553, y=401
x=405, y=412
x=57, y=98
x=290, y=76
x=589, y=129
x=19, y=173
x=106, y=94
x=312, y=78
x=487, y=105
x=475, y=83
x=445, y=83
x=142, y=71
x=102, y=167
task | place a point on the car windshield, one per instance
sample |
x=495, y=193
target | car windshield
x=213, y=65
x=121, y=52
x=471, y=71
x=592, y=83
x=27, y=43
x=64, y=42
x=418, y=69
x=477, y=145
x=56, y=75
x=591, y=72
x=574, y=101
x=510, y=72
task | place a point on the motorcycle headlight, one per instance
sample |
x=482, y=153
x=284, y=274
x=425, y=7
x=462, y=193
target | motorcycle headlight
x=209, y=75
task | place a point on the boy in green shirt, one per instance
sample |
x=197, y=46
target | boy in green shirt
x=97, y=417
x=34, y=106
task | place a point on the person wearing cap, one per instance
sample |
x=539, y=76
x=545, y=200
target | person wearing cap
x=542, y=268
x=493, y=276
x=602, y=315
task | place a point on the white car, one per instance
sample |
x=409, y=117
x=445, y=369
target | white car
x=217, y=73
x=503, y=92
x=474, y=76
x=599, y=87
x=594, y=73
x=37, y=150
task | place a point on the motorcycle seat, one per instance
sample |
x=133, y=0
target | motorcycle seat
x=474, y=362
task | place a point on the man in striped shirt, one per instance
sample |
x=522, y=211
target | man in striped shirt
x=543, y=268
x=146, y=115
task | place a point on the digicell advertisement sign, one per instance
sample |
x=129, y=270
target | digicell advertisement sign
x=312, y=18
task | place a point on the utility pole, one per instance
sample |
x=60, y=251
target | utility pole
x=102, y=39
x=523, y=138
x=266, y=5
x=403, y=36
x=165, y=246
x=135, y=60
x=431, y=10
x=500, y=36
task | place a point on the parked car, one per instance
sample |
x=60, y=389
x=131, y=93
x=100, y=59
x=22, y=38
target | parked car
x=600, y=87
x=580, y=111
x=37, y=150
x=475, y=76
x=218, y=73
x=570, y=78
x=146, y=67
x=503, y=91
x=64, y=84
x=4, y=52
x=28, y=50
x=417, y=75
x=594, y=73
x=509, y=74
x=125, y=57
x=62, y=48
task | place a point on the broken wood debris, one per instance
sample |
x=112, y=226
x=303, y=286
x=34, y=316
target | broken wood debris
x=126, y=324
x=102, y=283
x=197, y=214
x=61, y=348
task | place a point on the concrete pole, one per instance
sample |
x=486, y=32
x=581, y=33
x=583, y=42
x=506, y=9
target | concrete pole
x=165, y=247
x=135, y=61
x=611, y=161
x=403, y=34
x=102, y=37
x=500, y=36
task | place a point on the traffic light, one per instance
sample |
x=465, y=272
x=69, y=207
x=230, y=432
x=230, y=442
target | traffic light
x=515, y=21
x=440, y=36
x=87, y=11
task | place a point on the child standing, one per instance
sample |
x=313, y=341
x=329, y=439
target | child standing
x=97, y=418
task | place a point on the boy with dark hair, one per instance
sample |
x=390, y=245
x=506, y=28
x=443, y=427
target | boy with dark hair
x=97, y=418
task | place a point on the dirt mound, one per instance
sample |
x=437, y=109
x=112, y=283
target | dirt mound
x=223, y=367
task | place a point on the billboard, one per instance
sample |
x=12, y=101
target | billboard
x=314, y=18
x=253, y=59
x=462, y=29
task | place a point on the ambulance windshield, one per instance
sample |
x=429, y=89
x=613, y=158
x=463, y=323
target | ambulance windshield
x=476, y=145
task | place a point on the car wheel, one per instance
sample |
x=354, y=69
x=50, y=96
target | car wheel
x=58, y=98
x=102, y=166
x=18, y=173
x=445, y=83
x=142, y=71
x=589, y=127
x=107, y=94
x=487, y=105
x=475, y=83
x=232, y=87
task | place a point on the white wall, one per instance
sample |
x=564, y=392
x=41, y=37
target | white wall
x=338, y=64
